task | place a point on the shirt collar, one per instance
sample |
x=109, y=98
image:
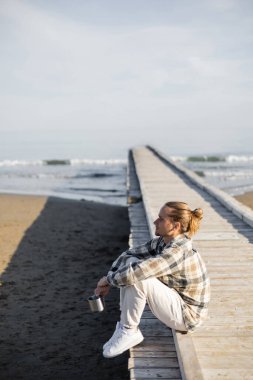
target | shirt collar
x=178, y=239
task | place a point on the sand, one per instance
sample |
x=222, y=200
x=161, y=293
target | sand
x=53, y=252
x=246, y=199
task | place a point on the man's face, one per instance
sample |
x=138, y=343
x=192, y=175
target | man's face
x=164, y=225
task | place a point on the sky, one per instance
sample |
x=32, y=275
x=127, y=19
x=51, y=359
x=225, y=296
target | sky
x=94, y=78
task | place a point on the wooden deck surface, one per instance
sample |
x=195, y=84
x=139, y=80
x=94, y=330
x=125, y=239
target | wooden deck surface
x=223, y=347
x=156, y=356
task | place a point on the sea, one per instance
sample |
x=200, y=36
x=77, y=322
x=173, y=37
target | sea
x=105, y=180
x=96, y=180
x=230, y=173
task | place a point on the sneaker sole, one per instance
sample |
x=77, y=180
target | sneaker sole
x=109, y=356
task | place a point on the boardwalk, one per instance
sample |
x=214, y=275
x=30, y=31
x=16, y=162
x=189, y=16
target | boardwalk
x=223, y=347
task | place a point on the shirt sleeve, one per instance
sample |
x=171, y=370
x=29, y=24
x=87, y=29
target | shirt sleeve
x=137, y=253
x=168, y=262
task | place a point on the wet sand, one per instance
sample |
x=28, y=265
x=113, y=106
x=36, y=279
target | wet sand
x=53, y=252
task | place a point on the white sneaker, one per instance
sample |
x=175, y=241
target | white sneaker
x=114, y=334
x=122, y=341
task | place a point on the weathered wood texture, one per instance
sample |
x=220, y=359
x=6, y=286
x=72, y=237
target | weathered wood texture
x=224, y=344
x=156, y=356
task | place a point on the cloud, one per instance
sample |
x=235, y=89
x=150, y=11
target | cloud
x=61, y=73
x=223, y=5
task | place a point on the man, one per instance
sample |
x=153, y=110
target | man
x=166, y=272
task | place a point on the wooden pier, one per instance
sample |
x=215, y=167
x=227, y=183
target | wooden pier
x=223, y=347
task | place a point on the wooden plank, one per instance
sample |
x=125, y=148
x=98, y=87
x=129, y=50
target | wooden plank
x=238, y=321
x=153, y=340
x=155, y=346
x=159, y=353
x=216, y=236
x=158, y=348
x=228, y=374
x=155, y=373
x=217, y=331
x=225, y=242
x=223, y=359
x=227, y=344
x=152, y=362
x=188, y=360
x=151, y=331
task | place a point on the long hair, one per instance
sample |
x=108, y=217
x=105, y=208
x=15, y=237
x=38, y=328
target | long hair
x=189, y=219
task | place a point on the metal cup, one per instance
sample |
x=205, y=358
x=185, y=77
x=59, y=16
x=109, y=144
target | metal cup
x=96, y=303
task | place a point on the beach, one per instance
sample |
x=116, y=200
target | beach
x=246, y=199
x=53, y=252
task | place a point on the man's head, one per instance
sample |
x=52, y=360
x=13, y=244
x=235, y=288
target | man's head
x=176, y=218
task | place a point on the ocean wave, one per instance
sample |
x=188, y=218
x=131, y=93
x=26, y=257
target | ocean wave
x=94, y=190
x=98, y=162
x=239, y=158
x=62, y=162
x=178, y=158
x=9, y=163
x=238, y=190
x=231, y=158
x=228, y=174
x=205, y=159
x=94, y=175
x=119, y=195
x=58, y=176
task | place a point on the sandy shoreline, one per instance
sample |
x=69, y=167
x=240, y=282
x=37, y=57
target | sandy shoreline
x=246, y=199
x=53, y=251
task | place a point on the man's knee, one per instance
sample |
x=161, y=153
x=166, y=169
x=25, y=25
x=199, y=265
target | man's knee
x=146, y=285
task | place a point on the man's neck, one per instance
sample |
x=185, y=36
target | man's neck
x=168, y=239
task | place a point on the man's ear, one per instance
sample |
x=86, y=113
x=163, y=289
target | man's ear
x=177, y=226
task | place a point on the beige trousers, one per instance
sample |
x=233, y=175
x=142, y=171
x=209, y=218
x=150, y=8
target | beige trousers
x=164, y=302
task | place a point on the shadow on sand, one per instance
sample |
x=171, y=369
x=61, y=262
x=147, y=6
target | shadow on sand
x=46, y=328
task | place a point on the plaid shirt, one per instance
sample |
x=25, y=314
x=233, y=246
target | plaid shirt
x=176, y=264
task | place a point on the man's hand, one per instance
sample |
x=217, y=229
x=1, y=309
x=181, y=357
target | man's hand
x=103, y=287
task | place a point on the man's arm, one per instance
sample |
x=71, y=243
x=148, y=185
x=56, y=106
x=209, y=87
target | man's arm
x=141, y=251
x=169, y=262
x=103, y=287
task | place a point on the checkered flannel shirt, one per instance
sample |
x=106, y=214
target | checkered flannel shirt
x=177, y=264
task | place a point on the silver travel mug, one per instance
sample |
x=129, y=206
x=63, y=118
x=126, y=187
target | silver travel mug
x=96, y=303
